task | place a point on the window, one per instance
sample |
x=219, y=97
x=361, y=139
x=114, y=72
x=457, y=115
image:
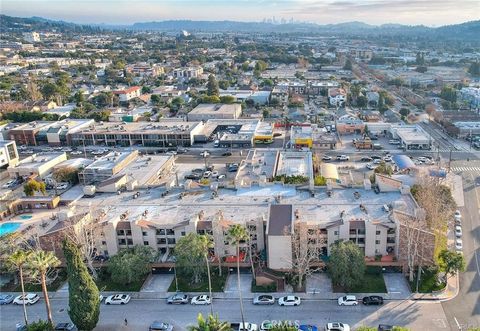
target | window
x=129, y=241
x=391, y=231
x=361, y=231
x=120, y=232
x=160, y=232
x=377, y=242
x=145, y=243
x=378, y=232
x=183, y=233
x=104, y=243
x=144, y=233
x=354, y=232
x=121, y=241
x=170, y=232
x=171, y=241
x=390, y=240
x=161, y=241
x=335, y=233
x=361, y=241
x=128, y=232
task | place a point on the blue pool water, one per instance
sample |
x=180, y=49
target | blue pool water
x=6, y=228
x=25, y=217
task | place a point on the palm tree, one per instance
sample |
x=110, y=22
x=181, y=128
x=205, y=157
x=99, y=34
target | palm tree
x=212, y=323
x=206, y=242
x=40, y=262
x=18, y=260
x=237, y=233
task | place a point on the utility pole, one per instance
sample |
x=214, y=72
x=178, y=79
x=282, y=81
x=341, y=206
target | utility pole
x=419, y=274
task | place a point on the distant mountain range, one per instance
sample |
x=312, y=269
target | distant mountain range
x=463, y=31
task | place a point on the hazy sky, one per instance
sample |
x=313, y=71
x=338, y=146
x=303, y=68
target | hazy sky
x=427, y=12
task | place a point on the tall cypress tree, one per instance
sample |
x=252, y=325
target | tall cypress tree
x=84, y=301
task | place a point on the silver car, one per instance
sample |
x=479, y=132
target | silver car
x=160, y=326
x=5, y=299
x=264, y=299
x=178, y=298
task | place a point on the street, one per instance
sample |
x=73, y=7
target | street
x=140, y=313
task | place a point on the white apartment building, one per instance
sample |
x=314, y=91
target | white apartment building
x=31, y=37
x=187, y=73
x=128, y=93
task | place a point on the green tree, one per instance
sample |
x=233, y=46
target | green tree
x=228, y=99
x=212, y=323
x=274, y=102
x=155, y=99
x=400, y=328
x=40, y=262
x=366, y=328
x=404, y=112
x=348, y=65
x=83, y=299
x=79, y=99
x=224, y=84
x=18, y=261
x=40, y=326
x=131, y=264
x=474, y=69
x=346, y=265
x=384, y=169
x=49, y=91
x=362, y=101
x=206, y=244
x=449, y=93
x=66, y=174
x=33, y=186
x=261, y=65
x=212, y=86
x=451, y=262
x=189, y=256
x=235, y=235
x=421, y=69
x=210, y=99
x=420, y=59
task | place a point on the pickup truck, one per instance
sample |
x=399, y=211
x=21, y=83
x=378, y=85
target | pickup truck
x=241, y=327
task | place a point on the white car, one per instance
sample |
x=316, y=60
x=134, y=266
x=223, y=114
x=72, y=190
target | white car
x=98, y=152
x=336, y=326
x=343, y=158
x=76, y=153
x=289, y=300
x=67, y=149
x=458, y=231
x=171, y=153
x=30, y=299
x=215, y=174
x=207, y=174
x=117, y=299
x=371, y=166
x=457, y=214
x=387, y=158
x=326, y=158
x=9, y=184
x=62, y=186
x=377, y=161
x=458, y=244
x=348, y=300
x=201, y=300
x=394, y=142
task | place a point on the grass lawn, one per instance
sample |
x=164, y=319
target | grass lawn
x=105, y=283
x=29, y=287
x=428, y=282
x=372, y=283
x=185, y=285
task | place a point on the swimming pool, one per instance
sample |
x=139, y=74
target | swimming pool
x=6, y=228
x=25, y=217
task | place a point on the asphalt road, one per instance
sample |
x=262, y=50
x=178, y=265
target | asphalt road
x=464, y=310
x=424, y=316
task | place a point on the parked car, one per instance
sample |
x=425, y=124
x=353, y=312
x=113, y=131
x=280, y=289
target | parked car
x=370, y=166
x=171, y=153
x=289, y=300
x=160, y=326
x=10, y=183
x=458, y=231
x=192, y=177
x=207, y=174
x=394, y=142
x=337, y=326
x=457, y=214
x=30, y=299
x=366, y=159
x=221, y=177
x=201, y=300
x=458, y=244
x=76, y=152
x=178, y=298
x=65, y=327
x=387, y=158
x=265, y=299
x=47, y=149
x=117, y=299
x=326, y=158
x=5, y=299
x=227, y=154
x=62, y=186
x=343, y=158
x=372, y=300
x=377, y=161
x=266, y=325
x=307, y=327
x=348, y=300
x=244, y=327
x=385, y=327
x=204, y=153
x=375, y=157
x=67, y=149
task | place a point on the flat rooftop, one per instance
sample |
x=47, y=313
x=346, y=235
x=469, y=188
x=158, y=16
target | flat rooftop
x=145, y=169
x=166, y=127
x=295, y=163
x=238, y=207
x=108, y=161
x=408, y=133
x=36, y=160
x=259, y=162
x=212, y=108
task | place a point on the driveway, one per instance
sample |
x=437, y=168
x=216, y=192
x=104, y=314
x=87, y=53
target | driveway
x=245, y=283
x=319, y=283
x=157, y=283
x=397, y=286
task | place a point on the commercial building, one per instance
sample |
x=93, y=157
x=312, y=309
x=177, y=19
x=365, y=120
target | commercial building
x=106, y=167
x=8, y=153
x=466, y=129
x=31, y=37
x=349, y=124
x=411, y=137
x=147, y=134
x=187, y=73
x=207, y=111
x=263, y=133
x=36, y=165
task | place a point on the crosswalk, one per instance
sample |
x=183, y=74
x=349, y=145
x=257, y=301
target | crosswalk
x=466, y=169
